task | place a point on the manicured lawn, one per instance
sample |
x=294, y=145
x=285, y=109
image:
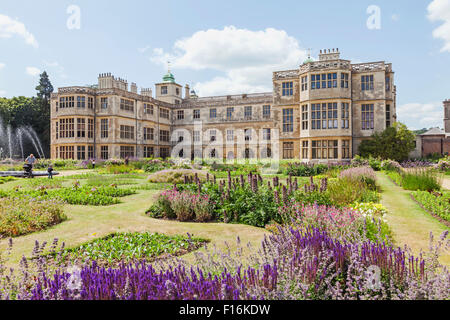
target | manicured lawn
x=86, y=223
x=410, y=223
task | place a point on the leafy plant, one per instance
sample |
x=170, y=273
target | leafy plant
x=126, y=247
x=19, y=216
x=435, y=202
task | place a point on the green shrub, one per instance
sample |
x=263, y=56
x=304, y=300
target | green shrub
x=346, y=191
x=420, y=179
x=305, y=170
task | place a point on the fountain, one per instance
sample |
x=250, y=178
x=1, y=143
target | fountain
x=12, y=148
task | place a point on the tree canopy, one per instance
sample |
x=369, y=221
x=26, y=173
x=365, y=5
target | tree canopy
x=395, y=143
x=31, y=111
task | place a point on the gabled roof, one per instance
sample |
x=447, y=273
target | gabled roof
x=433, y=132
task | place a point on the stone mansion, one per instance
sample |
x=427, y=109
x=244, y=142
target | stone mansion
x=319, y=112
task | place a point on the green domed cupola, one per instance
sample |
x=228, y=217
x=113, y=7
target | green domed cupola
x=309, y=60
x=169, y=77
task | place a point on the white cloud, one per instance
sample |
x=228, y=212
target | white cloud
x=439, y=10
x=2, y=65
x=32, y=71
x=57, y=68
x=142, y=50
x=10, y=27
x=245, y=59
x=421, y=115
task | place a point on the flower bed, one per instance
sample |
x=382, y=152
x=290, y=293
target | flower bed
x=20, y=216
x=434, y=202
x=101, y=196
x=126, y=247
x=294, y=264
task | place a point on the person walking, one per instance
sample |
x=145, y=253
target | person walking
x=93, y=163
x=126, y=161
x=50, y=171
x=31, y=160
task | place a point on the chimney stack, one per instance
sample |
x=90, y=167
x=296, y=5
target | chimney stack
x=187, y=92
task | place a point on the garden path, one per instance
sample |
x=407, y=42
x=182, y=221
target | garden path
x=409, y=222
x=446, y=183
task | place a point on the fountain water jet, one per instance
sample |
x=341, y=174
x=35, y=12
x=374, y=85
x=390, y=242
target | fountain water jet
x=12, y=141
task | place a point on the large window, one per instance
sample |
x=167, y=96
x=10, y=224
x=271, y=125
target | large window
x=325, y=149
x=345, y=115
x=332, y=80
x=266, y=111
x=127, y=105
x=196, y=114
x=66, y=102
x=288, y=150
x=304, y=83
x=126, y=132
x=388, y=83
x=90, y=129
x=104, y=152
x=388, y=116
x=305, y=117
x=164, y=113
x=367, y=83
x=367, y=116
x=212, y=113
x=67, y=152
x=148, y=108
x=288, y=88
x=305, y=145
x=180, y=115
x=81, y=102
x=104, y=103
x=230, y=112
x=90, y=152
x=267, y=134
x=346, y=149
x=104, y=128
x=164, y=136
x=149, y=134
x=81, y=152
x=332, y=115
x=230, y=135
x=315, y=116
x=90, y=103
x=81, y=128
x=126, y=152
x=315, y=81
x=66, y=128
x=164, y=90
x=344, y=80
x=196, y=136
x=288, y=120
x=248, y=113
x=164, y=153
x=149, y=152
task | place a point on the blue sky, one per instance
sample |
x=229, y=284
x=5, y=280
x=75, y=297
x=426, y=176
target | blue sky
x=221, y=47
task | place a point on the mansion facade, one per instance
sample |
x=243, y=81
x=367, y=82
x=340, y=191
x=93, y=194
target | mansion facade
x=319, y=112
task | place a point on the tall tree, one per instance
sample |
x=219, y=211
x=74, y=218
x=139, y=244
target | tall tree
x=45, y=88
x=395, y=143
x=44, y=91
